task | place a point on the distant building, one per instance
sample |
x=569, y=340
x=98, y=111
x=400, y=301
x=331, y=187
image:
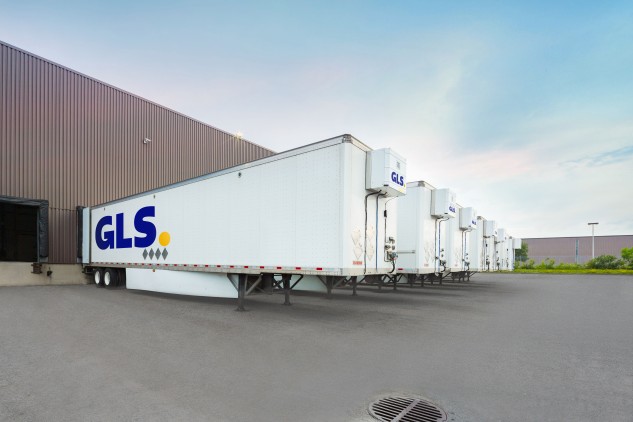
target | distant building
x=575, y=249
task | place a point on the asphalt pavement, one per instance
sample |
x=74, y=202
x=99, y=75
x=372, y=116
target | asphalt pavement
x=503, y=347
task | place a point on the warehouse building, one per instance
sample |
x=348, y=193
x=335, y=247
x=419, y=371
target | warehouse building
x=69, y=140
x=576, y=249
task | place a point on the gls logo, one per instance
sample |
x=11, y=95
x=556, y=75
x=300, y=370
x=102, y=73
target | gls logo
x=396, y=178
x=451, y=208
x=115, y=239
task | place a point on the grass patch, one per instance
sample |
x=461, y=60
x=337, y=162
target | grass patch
x=570, y=271
x=603, y=264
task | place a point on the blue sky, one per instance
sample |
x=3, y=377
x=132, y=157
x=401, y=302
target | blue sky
x=525, y=109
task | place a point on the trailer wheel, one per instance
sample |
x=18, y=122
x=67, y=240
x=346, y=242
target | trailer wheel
x=98, y=277
x=110, y=278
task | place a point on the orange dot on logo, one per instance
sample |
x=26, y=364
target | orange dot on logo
x=164, y=239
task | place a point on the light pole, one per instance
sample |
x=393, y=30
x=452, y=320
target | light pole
x=593, y=245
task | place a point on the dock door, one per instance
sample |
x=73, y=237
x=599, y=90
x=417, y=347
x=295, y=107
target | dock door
x=23, y=230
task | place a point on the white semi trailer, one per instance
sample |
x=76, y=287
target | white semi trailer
x=422, y=232
x=476, y=247
x=462, y=229
x=489, y=256
x=453, y=244
x=516, y=244
x=501, y=250
x=508, y=250
x=316, y=215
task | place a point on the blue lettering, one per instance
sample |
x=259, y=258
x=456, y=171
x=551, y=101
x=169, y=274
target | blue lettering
x=395, y=178
x=144, y=227
x=115, y=238
x=121, y=241
x=105, y=240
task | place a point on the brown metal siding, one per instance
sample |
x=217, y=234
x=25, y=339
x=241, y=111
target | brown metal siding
x=74, y=141
x=563, y=249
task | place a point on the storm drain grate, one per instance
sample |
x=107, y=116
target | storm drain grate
x=407, y=409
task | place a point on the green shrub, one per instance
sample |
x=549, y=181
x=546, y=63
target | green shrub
x=526, y=265
x=566, y=266
x=605, y=262
x=548, y=264
x=627, y=257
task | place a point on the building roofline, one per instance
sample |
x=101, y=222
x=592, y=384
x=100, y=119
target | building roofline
x=127, y=93
x=577, y=237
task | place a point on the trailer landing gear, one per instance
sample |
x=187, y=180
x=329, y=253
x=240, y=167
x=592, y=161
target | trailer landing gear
x=286, y=282
x=241, y=292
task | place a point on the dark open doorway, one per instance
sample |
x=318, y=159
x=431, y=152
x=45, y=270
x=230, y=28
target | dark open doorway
x=23, y=229
x=18, y=232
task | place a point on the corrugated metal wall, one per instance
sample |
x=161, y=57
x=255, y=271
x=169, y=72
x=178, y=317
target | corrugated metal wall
x=74, y=141
x=563, y=249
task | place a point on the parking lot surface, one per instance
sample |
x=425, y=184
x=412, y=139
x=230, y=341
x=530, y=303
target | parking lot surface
x=504, y=347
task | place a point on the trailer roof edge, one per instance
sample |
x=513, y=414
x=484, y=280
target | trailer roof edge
x=279, y=156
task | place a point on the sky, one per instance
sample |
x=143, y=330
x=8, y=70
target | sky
x=524, y=109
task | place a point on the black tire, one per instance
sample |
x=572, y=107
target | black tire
x=98, y=277
x=111, y=278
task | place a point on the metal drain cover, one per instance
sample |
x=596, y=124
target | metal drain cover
x=407, y=409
